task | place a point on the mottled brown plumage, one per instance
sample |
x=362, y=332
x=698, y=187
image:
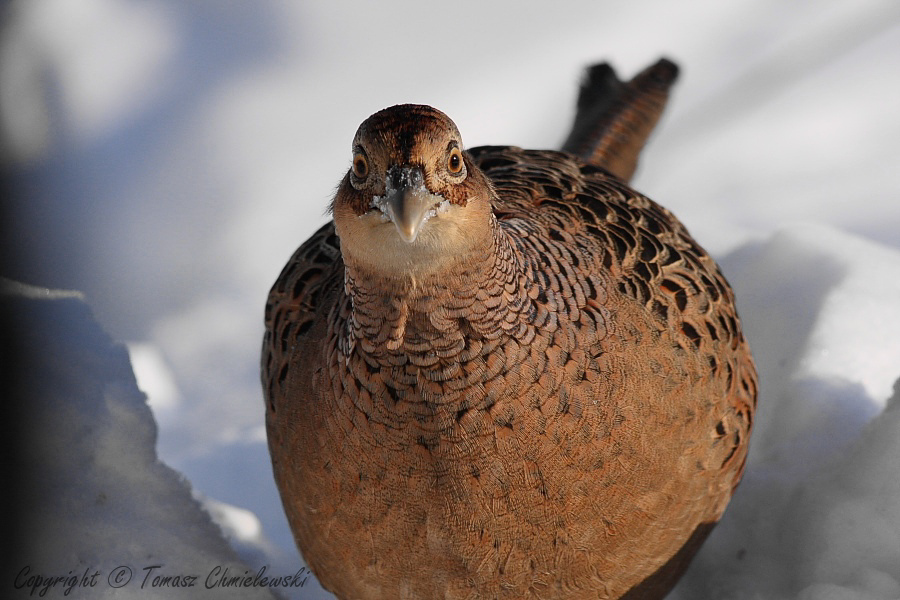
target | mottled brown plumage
x=503, y=373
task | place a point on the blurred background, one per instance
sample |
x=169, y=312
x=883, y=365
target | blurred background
x=166, y=157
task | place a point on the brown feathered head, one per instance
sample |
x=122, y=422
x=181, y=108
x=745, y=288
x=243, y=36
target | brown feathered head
x=412, y=196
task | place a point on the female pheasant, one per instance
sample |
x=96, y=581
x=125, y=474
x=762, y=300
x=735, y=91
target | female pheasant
x=503, y=373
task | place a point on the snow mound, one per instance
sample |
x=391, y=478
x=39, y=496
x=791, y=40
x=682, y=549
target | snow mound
x=817, y=516
x=103, y=517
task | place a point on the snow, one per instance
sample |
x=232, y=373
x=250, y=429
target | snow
x=103, y=517
x=166, y=158
x=817, y=515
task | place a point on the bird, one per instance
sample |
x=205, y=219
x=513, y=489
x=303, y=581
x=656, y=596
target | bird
x=504, y=373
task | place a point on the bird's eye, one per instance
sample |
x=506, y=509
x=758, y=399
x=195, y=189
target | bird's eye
x=455, y=161
x=360, y=165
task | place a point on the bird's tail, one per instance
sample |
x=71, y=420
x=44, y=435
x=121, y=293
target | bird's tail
x=614, y=118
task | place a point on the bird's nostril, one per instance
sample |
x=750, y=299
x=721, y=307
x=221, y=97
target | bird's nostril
x=396, y=177
x=405, y=177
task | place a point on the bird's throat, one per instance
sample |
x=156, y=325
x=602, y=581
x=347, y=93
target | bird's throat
x=425, y=311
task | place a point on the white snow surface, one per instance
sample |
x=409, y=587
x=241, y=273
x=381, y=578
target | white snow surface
x=168, y=156
x=103, y=517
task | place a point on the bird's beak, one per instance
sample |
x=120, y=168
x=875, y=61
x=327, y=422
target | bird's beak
x=407, y=202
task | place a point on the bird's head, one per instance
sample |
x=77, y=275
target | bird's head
x=412, y=198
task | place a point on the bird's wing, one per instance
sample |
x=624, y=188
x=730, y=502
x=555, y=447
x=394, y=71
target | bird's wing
x=646, y=252
x=300, y=297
